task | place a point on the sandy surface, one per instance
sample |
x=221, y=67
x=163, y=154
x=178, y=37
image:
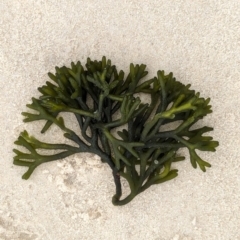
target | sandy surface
x=71, y=199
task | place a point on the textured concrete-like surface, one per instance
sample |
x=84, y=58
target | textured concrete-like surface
x=71, y=199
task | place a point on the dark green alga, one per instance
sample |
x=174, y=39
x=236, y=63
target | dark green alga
x=142, y=153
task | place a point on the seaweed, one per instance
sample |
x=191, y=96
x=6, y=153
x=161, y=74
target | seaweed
x=104, y=99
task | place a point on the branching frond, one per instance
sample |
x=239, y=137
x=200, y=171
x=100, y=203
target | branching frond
x=94, y=93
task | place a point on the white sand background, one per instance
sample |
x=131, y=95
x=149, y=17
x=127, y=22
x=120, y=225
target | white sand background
x=71, y=199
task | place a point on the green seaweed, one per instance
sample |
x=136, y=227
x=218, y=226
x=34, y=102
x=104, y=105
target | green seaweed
x=142, y=152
